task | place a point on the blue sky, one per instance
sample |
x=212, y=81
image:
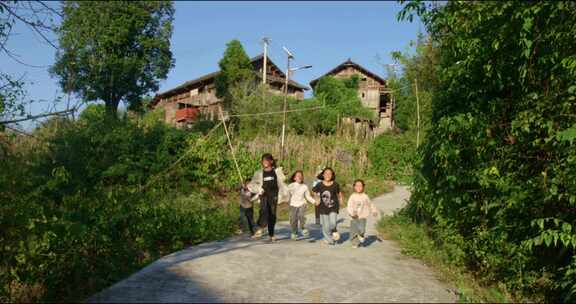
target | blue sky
x=323, y=34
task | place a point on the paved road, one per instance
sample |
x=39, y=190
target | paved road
x=241, y=270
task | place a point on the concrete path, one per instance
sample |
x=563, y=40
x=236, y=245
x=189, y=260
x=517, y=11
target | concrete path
x=241, y=270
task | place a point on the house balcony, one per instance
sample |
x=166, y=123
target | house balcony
x=186, y=114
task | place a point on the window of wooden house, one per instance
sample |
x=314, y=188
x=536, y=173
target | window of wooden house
x=363, y=94
x=194, y=92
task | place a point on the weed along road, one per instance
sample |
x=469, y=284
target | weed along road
x=241, y=270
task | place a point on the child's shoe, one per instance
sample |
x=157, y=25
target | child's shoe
x=294, y=236
x=258, y=233
x=305, y=232
x=361, y=239
x=335, y=236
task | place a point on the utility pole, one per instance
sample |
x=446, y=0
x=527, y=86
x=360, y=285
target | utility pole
x=265, y=40
x=290, y=56
x=418, y=114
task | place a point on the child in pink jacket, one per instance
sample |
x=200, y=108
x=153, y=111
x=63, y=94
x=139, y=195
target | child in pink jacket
x=359, y=208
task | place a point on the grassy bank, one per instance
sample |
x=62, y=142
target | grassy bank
x=415, y=241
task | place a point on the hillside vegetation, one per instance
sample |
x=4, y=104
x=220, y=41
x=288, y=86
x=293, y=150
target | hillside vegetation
x=496, y=178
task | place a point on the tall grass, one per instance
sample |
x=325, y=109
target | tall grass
x=347, y=155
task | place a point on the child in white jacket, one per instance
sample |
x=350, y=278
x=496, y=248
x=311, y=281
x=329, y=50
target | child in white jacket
x=268, y=183
x=359, y=208
x=299, y=194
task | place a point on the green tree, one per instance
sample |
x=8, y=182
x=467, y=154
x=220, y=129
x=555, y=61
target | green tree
x=341, y=100
x=420, y=66
x=37, y=17
x=235, y=70
x=114, y=50
x=498, y=169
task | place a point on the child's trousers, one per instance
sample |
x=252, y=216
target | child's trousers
x=329, y=222
x=297, y=218
x=247, y=218
x=357, y=228
x=268, y=213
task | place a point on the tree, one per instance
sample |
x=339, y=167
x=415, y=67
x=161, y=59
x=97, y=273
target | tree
x=235, y=69
x=38, y=17
x=417, y=66
x=114, y=51
x=341, y=99
x=496, y=181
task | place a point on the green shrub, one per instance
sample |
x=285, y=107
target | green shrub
x=499, y=163
x=98, y=239
x=393, y=155
x=97, y=199
x=442, y=251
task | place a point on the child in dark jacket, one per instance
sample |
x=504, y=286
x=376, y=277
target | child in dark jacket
x=247, y=199
x=330, y=197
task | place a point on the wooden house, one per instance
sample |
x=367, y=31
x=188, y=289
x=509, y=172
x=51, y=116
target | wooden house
x=372, y=91
x=184, y=103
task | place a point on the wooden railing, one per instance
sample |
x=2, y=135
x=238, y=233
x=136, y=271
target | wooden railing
x=186, y=114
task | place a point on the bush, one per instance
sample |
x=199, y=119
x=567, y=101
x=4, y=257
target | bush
x=96, y=199
x=98, y=239
x=393, y=155
x=499, y=163
x=442, y=250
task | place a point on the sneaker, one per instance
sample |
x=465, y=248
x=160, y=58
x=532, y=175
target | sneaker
x=294, y=236
x=305, y=232
x=361, y=239
x=253, y=237
x=325, y=242
x=355, y=246
x=272, y=239
x=258, y=233
x=335, y=236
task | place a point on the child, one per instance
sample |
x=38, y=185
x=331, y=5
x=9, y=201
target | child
x=247, y=207
x=299, y=194
x=268, y=182
x=316, y=182
x=359, y=208
x=329, y=204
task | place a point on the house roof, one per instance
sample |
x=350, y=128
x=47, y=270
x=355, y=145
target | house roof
x=350, y=63
x=211, y=76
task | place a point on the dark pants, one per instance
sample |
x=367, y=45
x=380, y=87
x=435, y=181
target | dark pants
x=247, y=217
x=268, y=213
x=317, y=214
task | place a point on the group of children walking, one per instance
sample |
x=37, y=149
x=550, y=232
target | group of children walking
x=267, y=185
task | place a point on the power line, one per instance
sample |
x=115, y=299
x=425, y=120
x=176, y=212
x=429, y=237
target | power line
x=276, y=112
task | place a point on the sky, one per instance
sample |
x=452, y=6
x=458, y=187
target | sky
x=322, y=34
